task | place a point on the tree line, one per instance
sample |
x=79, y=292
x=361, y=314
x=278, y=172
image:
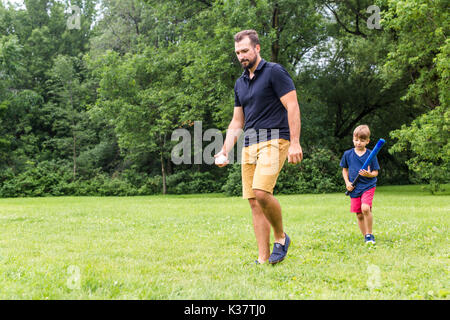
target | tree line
x=91, y=110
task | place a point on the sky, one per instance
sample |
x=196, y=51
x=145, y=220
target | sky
x=17, y=2
x=21, y=5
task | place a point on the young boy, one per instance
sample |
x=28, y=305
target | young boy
x=362, y=194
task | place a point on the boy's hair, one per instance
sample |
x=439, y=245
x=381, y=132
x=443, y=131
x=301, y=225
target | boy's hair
x=362, y=132
x=252, y=34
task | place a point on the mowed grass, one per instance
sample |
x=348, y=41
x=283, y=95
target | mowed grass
x=203, y=247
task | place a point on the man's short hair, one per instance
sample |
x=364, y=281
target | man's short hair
x=362, y=132
x=252, y=34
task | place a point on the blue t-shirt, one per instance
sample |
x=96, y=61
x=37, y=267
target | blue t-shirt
x=354, y=163
x=260, y=99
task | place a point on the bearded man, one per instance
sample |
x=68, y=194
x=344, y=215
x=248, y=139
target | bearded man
x=267, y=110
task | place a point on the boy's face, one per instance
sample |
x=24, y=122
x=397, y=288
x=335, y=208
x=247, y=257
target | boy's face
x=359, y=143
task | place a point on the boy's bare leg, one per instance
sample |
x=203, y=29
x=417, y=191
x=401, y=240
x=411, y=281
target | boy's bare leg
x=368, y=217
x=272, y=210
x=361, y=223
x=261, y=227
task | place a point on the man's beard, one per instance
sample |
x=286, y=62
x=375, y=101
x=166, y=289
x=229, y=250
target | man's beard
x=250, y=64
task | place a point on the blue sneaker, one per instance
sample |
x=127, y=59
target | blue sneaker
x=369, y=239
x=279, y=251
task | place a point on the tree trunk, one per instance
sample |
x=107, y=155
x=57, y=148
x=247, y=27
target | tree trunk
x=74, y=137
x=163, y=171
x=74, y=150
x=276, y=43
x=169, y=168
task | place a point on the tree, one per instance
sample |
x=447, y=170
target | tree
x=37, y=91
x=421, y=52
x=428, y=138
x=419, y=30
x=66, y=108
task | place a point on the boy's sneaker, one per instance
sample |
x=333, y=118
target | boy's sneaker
x=369, y=239
x=279, y=251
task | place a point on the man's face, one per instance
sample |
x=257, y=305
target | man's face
x=246, y=53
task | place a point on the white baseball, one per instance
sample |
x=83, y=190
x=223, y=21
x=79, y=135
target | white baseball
x=221, y=159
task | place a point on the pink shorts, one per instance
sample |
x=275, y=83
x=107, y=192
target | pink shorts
x=366, y=197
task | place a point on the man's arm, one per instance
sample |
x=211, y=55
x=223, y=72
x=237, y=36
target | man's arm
x=289, y=101
x=233, y=133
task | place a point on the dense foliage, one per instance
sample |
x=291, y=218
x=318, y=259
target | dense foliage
x=91, y=110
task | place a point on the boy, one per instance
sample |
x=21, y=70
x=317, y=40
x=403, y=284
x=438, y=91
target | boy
x=362, y=194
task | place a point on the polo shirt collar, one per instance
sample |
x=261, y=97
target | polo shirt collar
x=258, y=68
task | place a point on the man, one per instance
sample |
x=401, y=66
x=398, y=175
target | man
x=266, y=107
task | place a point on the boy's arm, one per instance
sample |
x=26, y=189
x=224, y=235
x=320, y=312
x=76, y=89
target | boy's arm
x=348, y=184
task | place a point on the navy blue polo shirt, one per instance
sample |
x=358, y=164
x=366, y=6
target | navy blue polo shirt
x=260, y=99
x=354, y=163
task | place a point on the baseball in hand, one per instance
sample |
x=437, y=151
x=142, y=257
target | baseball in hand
x=221, y=159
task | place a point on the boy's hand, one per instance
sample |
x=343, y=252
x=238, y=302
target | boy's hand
x=349, y=186
x=365, y=173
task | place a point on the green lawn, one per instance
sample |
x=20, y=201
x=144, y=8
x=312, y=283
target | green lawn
x=203, y=246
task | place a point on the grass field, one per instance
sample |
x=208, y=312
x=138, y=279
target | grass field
x=203, y=247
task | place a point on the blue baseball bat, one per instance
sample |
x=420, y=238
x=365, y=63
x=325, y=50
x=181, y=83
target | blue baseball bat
x=374, y=152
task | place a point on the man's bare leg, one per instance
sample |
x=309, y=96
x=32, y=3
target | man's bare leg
x=261, y=227
x=272, y=211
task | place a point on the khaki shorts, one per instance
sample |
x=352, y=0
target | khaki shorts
x=261, y=165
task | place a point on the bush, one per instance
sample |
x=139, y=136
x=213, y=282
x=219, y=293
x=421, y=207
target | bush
x=186, y=182
x=52, y=179
x=44, y=179
x=151, y=185
x=233, y=184
x=319, y=172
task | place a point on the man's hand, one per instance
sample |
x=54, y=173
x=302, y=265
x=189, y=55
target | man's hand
x=295, y=153
x=218, y=157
